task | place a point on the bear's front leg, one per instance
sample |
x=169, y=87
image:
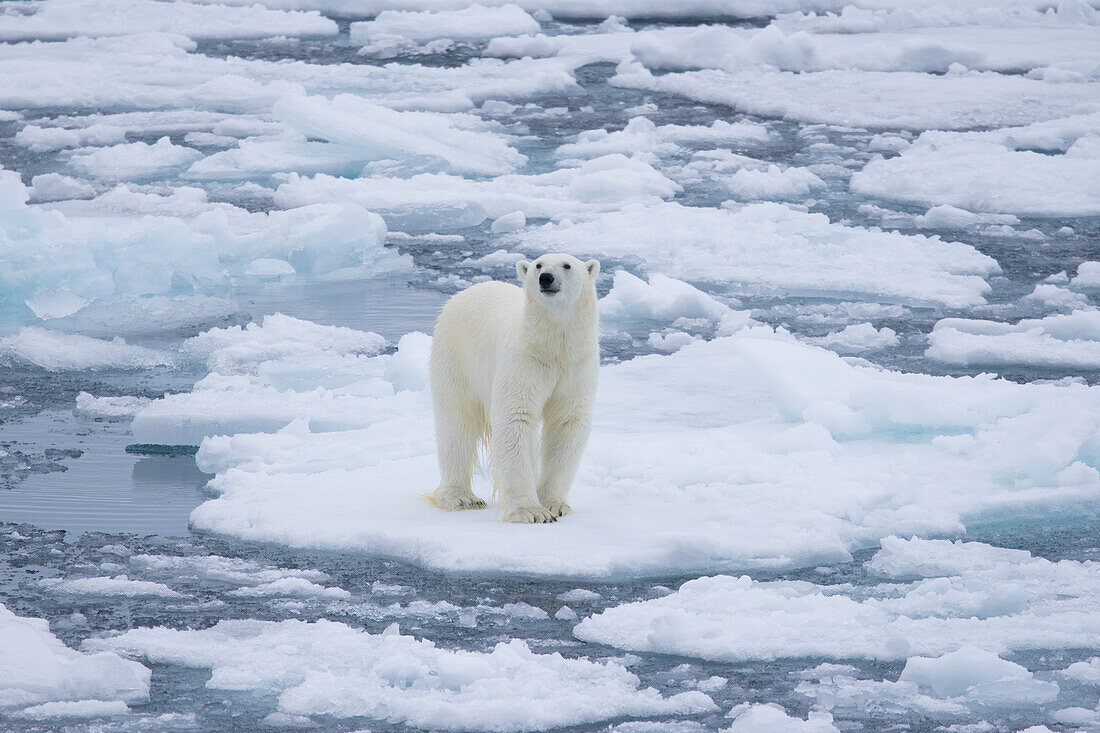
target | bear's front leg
x=567, y=424
x=514, y=456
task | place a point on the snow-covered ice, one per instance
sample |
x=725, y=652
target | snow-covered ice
x=330, y=668
x=346, y=455
x=751, y=249
x=475, y=22
x=966, y=595
x=37, y=670
x=1070, y=341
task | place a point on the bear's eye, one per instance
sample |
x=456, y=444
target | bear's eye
x=538, y=266
x=566, y=265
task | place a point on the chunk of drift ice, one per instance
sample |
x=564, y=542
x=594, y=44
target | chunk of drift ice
x=75, y=259
x=327, y=668
x=770, y=718
x=56, y=187
x=64, y=352
x=1060, y=341
x=602, y=184
x=661, y=299
x=752, y=249
x=873, y=99
x=59, y=19
x=985, y=176
x=954, y=685
x=970, y=595
x=37, y=670
x=115, y=408
x=473, y=23
x=380, y=133
x=333, y=449
x=509, y=222
x=967, y=670
x=134, y=161
x=1087, y=278
x=117, y=586
x=773, y=183
x=160, y=72
x=642, y=136
x=858, y=338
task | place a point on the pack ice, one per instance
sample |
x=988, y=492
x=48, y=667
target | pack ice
x=329, y=668
x=748, y=451
x=42, y=678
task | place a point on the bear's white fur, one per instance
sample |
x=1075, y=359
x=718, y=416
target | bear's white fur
x=503, y=360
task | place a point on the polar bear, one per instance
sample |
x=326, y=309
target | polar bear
x=503, y=360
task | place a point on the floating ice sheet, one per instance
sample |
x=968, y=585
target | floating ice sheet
x=874, y=99
x=60, y=19
x=473, y=23
x=773, y=453
x=36, y=670
x=753, y=248
x=968, y=595
x=976, y=173
x=328, y=668
x=1059, y=341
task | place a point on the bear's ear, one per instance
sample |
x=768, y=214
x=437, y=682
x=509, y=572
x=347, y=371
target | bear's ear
x=521, y=269
x=593, y=268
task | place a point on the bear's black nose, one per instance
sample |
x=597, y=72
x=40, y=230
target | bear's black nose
x=546, y=280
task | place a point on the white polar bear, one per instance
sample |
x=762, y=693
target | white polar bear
x=504, y=359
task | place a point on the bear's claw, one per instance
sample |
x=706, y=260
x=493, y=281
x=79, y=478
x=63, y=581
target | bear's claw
x=457, y=502
x=558, y=508
x=530, y=515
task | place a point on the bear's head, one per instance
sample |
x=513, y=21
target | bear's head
x=559, y=282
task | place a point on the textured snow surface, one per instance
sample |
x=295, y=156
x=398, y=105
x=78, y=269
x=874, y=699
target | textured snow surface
x=41, y=677
x=809, y=457
x=975, y=174
x=471, y=23
x=1069, y=341
x=60, y=19
x=330, y=668
x=966, y=595
x=752, y=248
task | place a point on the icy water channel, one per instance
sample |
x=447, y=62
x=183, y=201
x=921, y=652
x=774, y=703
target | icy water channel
x=76, y=504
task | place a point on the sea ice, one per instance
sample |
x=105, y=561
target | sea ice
x=967, y=595
x=826, y=457
x=1058, y=341
x=858, y=338
x=328, y=668
x=987, y=177
x=766, y=718
x=752, y=248
x=61, y=19
x=134, y=161
x=427, y=201
x=120, y=585
x=57, y=352
x=875, y=99
x=473, y=23
x=36, y=669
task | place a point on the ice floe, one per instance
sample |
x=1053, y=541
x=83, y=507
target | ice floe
x=809, y=457
x=875, y=99
x=752, y=248
x=967, y=595
x=1069, y=341
x=328, y=668
x=986, y=176
x=61, y=19
x=40, y=677
x=475, y=22
x=440, y=201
